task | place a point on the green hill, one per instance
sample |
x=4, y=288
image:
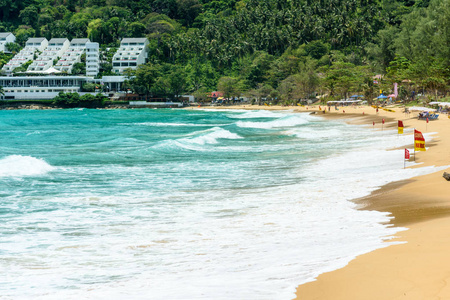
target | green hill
x=285, y=49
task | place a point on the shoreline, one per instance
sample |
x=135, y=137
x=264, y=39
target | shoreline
x=422, y=205
x=416, y=267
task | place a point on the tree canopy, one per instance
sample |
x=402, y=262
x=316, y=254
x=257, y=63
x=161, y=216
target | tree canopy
x=302, y=46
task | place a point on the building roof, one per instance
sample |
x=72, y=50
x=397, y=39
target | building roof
x=80, y=41
x=36, y=40
x=133, y=40
x=58, y=40
x=5, y=34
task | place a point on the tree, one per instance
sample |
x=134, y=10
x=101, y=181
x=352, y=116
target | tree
x=316, y=49
x=177, y=81
x=70, y=100
x=340, y=78
x=14, y=48
x=94, y=31
x=188, y=10
x=29, y=15
x=23, y=33
x=145, y=78
x=229, y=86
x=201, y=95
x=79, y=68
x=136, y=29
x=288, y=88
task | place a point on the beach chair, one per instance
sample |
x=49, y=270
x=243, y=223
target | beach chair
x=433, y=117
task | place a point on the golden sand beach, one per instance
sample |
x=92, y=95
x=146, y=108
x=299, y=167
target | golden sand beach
x=418, y=268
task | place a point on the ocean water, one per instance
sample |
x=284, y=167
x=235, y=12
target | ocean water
x=185, y=204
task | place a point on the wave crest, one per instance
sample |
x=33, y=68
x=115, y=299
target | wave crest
x=18, y=165
x=290, y=121
x=212, y=136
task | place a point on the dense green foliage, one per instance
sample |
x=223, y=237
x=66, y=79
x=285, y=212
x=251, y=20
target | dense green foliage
x=285, y=49
x=70, y=100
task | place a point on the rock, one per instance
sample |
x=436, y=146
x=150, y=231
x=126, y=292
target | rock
x=446, y=176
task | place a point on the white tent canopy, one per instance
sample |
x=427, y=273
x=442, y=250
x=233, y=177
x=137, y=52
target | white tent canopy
x=48, y=71
x=443, y=104
x=420, y=108
x=344, y=102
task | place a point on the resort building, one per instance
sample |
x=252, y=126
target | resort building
x=33, y=46
x=92, y=59
x=56, y=48
x=42, y=87
x=72, y=55
x=48, y=87
x=5, y=38
x=132, y=53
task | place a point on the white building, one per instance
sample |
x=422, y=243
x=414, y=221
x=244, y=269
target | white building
x=42, y=87
x=48, y=87
x=5, y=38
x=33, y=47
x=92, y=59
x=55, y=50
x=72, y=55
x=132, y=53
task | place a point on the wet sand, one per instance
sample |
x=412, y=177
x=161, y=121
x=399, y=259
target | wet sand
x=419, y=267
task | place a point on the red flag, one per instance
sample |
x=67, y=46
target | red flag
x=427, y=120
x=383, y=121
x=419, y=141
x=406, y=154
x=400, y=127
x=374, y=123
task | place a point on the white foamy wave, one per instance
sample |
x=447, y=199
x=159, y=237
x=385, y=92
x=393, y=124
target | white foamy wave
x=290, y=121
x=18, y=165
x=211, y=136
x=161, y=124
x=253, y=114
x=310, y=133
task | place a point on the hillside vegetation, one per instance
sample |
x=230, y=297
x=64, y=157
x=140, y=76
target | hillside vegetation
x=286, y=49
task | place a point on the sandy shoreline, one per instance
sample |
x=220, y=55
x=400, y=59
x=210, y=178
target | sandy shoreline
x=419, y=268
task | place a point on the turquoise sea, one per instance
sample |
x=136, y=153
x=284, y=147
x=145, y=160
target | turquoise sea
x=185, y=204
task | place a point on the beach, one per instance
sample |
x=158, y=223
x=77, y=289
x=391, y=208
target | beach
x=164, y=197
x=417, y=267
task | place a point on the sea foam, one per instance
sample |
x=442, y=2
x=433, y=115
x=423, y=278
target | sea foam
x=18, y=165
x=289, y=121
x=211, y=136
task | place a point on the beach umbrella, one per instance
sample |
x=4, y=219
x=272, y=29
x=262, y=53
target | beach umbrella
x=420, y=108
x=382, y=97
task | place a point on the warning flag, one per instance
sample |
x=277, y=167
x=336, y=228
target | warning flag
x=419, y=141
x=400, y=127
x=406, y=154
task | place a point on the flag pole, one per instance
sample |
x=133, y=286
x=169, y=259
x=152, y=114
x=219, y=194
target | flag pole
x=414, y=143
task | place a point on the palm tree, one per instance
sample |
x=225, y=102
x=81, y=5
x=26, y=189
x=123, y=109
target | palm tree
x=2, y=91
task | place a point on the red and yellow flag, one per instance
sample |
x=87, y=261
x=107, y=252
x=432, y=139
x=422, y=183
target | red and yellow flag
x=400, y=127
x=419, y=141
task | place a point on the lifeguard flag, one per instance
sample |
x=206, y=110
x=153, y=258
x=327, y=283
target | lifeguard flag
x=406, y=154
x=419, y=141
x=400, y=127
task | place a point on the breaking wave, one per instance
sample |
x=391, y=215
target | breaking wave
x=18, y=165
